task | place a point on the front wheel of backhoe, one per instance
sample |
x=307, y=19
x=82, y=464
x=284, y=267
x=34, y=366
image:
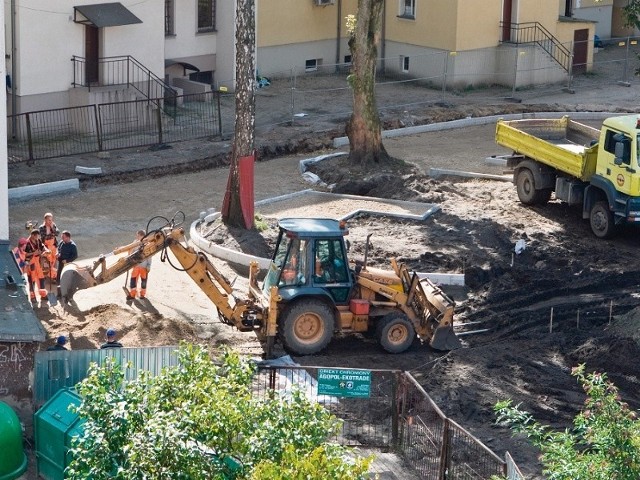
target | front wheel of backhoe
x=307, y=327
x=395, y=332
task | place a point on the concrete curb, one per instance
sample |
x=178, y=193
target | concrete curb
x=468, y=122
x=42, y=189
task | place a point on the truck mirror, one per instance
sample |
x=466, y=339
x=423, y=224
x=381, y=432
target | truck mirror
x=621, y=152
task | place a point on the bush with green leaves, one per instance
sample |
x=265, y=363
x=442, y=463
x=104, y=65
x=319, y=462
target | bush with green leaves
x=200, y=420
x=604, y=443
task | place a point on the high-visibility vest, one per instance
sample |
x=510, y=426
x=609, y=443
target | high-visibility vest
x=21, y=259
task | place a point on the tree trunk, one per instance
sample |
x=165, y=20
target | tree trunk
x=364, y=129
x=244, y=135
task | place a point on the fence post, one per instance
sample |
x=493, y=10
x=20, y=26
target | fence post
x=515, y=72
x=444, y=452
x=445, y=67
x=29, y=139
x=626, y=62
x=293, y=95
x=219, y=113
x=159, y=118
x=395, y=411
x=98, y=127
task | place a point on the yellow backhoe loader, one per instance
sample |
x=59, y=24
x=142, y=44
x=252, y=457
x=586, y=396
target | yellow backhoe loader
x=310, y=292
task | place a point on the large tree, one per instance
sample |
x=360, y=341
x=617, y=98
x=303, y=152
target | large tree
x=243, y=151
x=364, y=129
x=202, y=420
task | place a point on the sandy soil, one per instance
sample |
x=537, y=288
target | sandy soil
x=563, y=268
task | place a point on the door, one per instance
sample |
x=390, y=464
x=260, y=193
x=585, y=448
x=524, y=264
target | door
x=580, y=47
x=507, y=8
x=91, y=54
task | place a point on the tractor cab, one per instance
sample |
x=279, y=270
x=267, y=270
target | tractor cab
x=310, y=259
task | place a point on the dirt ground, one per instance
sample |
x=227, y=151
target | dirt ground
x=588, y=286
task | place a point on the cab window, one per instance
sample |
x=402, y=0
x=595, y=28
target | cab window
x=330, y=264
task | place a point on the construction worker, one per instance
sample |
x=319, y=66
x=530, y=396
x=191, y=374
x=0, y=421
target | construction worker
x=140, y=271
x=34, y=250
x=111, y=340
x=67, y=253
x=61, y=341
x=49, y=236
x=21, y=256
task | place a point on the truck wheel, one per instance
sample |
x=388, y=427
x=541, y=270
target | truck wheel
x=395, y=332
x=526, y=187
x=307, y=327
x=602, y=221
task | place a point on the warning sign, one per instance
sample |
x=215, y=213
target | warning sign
x=344, y=383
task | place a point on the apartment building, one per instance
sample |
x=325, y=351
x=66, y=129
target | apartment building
x=61, y=53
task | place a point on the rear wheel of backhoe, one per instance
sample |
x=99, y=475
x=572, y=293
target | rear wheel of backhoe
x=307, y=327
x=395, y=332
x=601, y=220
x=526, y=188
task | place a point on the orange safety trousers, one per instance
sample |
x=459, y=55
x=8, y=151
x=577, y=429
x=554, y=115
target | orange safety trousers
x=36, y=278
x=142, y=273
x=52, y=271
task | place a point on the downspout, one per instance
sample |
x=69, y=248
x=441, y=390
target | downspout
x=338, y=34
x=14, y=100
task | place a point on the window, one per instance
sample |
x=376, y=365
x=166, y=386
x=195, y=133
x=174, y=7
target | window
x=330, y=265
x=206, y=15
x=169, y=28
x=311, y=65
x=347, y=59
x=404, y=63
x=408, y=8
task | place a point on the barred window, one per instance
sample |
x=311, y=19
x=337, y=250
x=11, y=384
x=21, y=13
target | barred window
x=169, y=21
x=206, y=15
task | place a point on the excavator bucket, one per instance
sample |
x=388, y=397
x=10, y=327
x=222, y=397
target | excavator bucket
x=444, y=338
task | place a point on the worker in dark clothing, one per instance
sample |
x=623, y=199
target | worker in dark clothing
x=60, y=344
x=111, y=340
x=67, y=253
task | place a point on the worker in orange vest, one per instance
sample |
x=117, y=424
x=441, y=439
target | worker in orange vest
x=141, y=270
x=33, y=252
x=49, y=236
x=21, y=256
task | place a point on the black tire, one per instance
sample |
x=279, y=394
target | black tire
x=601, y=220
x=307, y=326
x=526, y=188
x=395, y=332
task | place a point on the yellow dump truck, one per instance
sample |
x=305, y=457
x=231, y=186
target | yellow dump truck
x=596, y=169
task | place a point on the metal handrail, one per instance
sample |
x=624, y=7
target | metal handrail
x=123, y=70
x=535, y=33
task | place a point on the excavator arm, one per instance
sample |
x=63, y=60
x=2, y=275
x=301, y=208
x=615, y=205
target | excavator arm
x=244, y=314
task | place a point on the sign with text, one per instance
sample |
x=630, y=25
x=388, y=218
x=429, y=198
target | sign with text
x=344, y=383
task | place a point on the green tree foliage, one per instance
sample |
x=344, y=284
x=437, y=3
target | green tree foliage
x=200, y=420
x=604, y=443
x=631, y=14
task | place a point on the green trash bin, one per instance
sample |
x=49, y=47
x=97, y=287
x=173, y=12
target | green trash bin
x=13, y=460
x=54, y=427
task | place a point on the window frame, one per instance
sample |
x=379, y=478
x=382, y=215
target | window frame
x=407, y=9
x=210, y=6
x=404, y=63
x=169, y=18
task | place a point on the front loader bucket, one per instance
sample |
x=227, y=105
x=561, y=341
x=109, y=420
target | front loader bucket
x=444, y=338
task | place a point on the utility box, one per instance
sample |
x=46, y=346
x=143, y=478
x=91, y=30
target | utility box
x=54, y=427
x=13, y=461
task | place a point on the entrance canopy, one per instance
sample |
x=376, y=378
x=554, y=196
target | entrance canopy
x=104, y=15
